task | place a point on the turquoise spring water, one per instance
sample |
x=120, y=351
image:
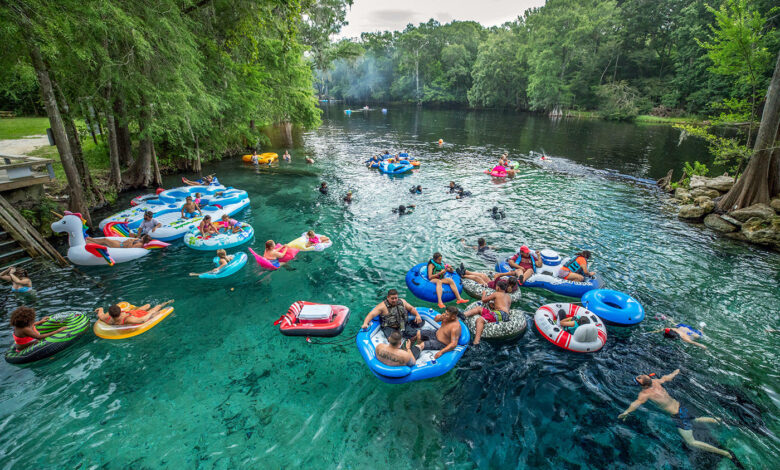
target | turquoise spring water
x=216, y=386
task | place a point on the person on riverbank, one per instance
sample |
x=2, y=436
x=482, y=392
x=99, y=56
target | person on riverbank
x=189, y=209
x=495, y=308
x=149, y=224
x=653, y=390
x=323, y=188
x=272, y=254
x=348, y=197
x=523, y=263
x=286, y=157
x=126, y=243
x=25, y=334
x=394, y=317
x=19, y=279
x=140, y=315
x=403, y=209
x=206, y=228
x=442, y=340
x=437, y=271
x=223, y=259
x=577, y=270
x=392, y=354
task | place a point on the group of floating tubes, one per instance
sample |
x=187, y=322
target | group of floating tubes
x=546, y=276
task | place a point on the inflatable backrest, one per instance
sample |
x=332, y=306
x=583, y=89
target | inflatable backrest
x=586, y=333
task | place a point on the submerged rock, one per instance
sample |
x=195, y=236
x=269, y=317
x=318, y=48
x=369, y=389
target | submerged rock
x=761, y=211
x=720, y=183
x=763, y=231
x=710, y=193
x=716, y=222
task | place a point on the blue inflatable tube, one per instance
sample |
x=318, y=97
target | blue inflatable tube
x=555, y=284
x=239, y=260
x=417, y=282
x=395, y=168
x=615, y=308
x=425, y=368
x=381, y=158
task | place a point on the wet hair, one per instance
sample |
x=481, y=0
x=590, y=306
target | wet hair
x=481, y=242
x=392, y=292
x=269, y=244
x=671, y=334
x=114, y=311
x=323, y=184
x=583, y=320
x=221, y=253
x=511, y=280
x=394, y=338
x=436, y=255
x=401, y=209
x=21, y=272
x=22, y=317
x=502, y=284
x=452, y=310
x=495, y=209
x=583, y=253
x=644, y=380
x=145, y=238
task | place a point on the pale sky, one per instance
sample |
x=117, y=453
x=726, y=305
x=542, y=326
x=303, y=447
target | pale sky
x=384, y=15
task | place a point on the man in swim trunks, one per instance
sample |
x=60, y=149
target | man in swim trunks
x=392, y=354
x=148, y=225
x=523, y=262
x=653, y=390
x=272, y=255
x=138, y=316
x=189, y=208
x=126, y=243
x=577, y=270
x=443, y=340
x=495, y=308
x=394, y=317
x=682, y=332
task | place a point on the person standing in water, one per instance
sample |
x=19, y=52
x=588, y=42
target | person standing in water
x=286, y=157
x=653, y=390
x=19, y=279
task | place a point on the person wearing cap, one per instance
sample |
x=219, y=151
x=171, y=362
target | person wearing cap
x=682, y=332
x=653, y=390
x=523, y=262
x=148, y=225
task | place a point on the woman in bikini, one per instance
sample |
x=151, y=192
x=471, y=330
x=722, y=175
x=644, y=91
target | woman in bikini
x=142, y=314
x=19, y=279
x=129, y=243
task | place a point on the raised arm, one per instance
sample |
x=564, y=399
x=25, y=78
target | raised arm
x=669, y=377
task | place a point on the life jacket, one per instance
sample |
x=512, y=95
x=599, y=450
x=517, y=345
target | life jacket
x=577, y=265
x=396, y=316
x=437, y=268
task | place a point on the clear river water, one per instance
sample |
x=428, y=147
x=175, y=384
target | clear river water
x=216, y=386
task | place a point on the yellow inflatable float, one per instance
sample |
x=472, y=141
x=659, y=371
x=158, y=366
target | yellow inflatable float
x=106, y=331
x=262, y=158
x=317, y=244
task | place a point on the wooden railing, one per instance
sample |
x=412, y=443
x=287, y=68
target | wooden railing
x=19, y=171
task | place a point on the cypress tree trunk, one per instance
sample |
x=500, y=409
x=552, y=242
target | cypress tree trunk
x=139, y=175
x=124, y=143
x=754, y=185
x=115, y=176
x=156, y=166
x=75, y=189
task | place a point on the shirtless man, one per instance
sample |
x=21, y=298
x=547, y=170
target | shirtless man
x=394, y=317
x=682, y=332
x=272, y=255
x=495, y=308
x=189, y=208
x=392, y=354
x=126, y=243
x=653, y=390
x=443, y=340
x=138, y=316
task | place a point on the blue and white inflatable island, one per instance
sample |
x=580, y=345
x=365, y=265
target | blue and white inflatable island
x=546, y=276
x=425, y=367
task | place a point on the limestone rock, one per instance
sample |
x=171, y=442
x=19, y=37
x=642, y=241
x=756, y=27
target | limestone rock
x=697, y=182
x=705, y=203
x=775, y=204
x=731, y=220
x=683, y=195
x=701, y=200
x=691, y=211
x=715, y=222
x=761, y=211
x=710, y=193
x=720, y=183
x=763, y=231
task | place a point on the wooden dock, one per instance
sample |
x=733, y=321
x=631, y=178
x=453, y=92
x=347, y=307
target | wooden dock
x=20, y=171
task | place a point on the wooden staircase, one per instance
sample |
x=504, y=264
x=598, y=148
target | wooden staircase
x=11, y=252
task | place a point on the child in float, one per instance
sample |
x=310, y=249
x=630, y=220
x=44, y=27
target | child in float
x=436, y=271
x=571, y=324
x=189, y=209
x=229, y=225
x=197, y=199
x=142, y=314
x=206, y=228
x=25, y=334
x=314, y=239
x=577, y=270
x=20, y=281
x=494, y=309
x=272, y=255
x=286, y=157
x=126, y=243
x=224, y=260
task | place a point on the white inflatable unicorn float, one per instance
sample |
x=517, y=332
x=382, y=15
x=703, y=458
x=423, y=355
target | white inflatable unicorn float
x=92, y=254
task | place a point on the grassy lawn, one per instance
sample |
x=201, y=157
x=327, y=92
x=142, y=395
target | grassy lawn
x=16, y=128
x=647, y=119
x=95, y=155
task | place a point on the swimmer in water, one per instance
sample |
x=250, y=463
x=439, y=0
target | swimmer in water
x=497, y=213
x=403, y=210
x=653, y=390
x=683, y=332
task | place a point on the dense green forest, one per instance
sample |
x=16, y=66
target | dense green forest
x=620, y=57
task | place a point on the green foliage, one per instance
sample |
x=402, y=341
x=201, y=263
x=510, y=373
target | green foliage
x=729, y=152
x=40, y=216
x=618, y=101
x=697, y=169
